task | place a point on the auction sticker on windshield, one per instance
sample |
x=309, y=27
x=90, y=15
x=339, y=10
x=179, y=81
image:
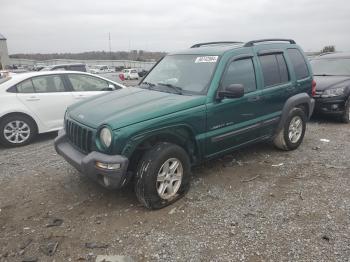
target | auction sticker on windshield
x=206, y=59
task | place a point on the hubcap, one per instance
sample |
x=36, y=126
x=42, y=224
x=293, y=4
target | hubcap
x=295, y=129
x=16, y=132
x=169, y=178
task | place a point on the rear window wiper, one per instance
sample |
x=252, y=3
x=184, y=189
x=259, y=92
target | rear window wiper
x=176, y=88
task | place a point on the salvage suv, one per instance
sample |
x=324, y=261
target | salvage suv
x=194, y=105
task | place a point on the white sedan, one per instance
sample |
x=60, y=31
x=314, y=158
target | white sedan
x=32, y=103
x=130, y=74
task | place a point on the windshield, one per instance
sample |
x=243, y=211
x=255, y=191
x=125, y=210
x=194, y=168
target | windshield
x=190, y=73
x=336, y=67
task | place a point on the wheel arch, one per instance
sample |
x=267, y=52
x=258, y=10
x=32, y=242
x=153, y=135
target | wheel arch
x=22, y=114
x=182, y=136
x=302, y=101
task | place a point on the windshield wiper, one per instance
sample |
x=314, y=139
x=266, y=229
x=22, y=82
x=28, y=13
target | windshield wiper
x=176, y=88
x=148, y=84
x=324, y=75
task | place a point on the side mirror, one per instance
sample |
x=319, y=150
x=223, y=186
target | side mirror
x=232, y=91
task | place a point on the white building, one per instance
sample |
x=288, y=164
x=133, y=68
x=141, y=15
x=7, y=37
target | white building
x=4, y=56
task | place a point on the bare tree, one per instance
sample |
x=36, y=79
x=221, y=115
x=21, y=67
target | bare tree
x=328, y=49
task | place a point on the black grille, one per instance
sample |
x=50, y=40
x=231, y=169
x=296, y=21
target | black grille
x=318, y=93
x=79, y=136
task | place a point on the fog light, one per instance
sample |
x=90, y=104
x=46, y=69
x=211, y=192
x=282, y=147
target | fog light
x=107, y=165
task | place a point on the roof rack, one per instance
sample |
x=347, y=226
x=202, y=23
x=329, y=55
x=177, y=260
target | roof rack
x=251, y=43
x=215, y=43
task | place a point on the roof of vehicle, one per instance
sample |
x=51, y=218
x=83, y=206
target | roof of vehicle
x=72, y=64
x=22, y=76
x=333, y=55
x=2, y=37
x=219, y=48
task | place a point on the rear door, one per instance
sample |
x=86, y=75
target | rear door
x=84, y=86
x=277, y=85
x=47, y=97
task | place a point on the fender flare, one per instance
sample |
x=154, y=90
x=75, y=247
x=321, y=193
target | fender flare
x=294, y=101
x=181, y=133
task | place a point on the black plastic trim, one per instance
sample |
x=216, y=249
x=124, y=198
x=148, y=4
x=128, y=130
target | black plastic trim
x=215, y=43
x=294, y=101
x=245, y=129
x=270, y=52
x=251, y=43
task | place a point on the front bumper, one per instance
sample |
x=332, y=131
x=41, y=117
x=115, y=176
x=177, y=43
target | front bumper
x=330, y=105
x=86, y=164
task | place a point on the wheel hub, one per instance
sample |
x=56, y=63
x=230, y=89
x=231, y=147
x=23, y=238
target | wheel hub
x=16, y=132
x=295, y=129
x=169, y=178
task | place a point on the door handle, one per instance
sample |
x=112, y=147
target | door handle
x=290, y=88
x=33, y=98
x=254, y=98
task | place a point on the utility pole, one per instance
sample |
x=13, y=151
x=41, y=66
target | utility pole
x=110, y=48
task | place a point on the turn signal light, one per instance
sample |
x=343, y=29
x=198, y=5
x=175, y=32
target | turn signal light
x=107, y=165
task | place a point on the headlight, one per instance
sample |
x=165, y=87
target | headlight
x=334, y=92
x=106, y=137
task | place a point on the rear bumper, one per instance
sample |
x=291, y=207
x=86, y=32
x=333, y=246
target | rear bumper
x=331, y=105
x=86, y=164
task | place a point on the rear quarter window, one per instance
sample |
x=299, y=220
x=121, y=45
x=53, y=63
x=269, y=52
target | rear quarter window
x=299, y=64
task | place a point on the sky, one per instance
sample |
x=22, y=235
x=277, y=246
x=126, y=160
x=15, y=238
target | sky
x=47, y=26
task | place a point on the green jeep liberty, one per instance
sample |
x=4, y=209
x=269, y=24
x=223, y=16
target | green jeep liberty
x=192, y=106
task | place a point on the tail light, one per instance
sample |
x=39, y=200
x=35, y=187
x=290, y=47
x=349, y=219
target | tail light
x=313, y=88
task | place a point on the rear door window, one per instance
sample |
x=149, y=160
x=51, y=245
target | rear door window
x=299, y=64
x=274, y=69
x=48, y=84
x=25, y=87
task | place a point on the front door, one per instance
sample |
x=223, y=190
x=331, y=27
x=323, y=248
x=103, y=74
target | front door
x=234, y=122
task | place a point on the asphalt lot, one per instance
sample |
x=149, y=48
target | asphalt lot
x=257, y=204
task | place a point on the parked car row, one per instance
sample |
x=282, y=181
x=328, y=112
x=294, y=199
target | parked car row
x=192, y=106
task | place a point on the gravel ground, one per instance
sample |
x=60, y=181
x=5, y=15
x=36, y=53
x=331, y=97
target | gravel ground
x=257, y=204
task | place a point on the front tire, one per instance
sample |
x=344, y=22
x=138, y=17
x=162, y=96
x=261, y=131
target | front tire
x=345, y=118
x=293, y=131
x=17, y=130
x=163, y=175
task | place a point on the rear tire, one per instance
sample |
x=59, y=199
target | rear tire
x=17, y=130
x=293, y=131
x=345, y=118
x=163, y=175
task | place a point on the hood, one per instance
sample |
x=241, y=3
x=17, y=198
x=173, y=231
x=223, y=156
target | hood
x=130, y=106
x=324, y=82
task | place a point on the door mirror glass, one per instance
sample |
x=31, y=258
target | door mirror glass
x=232, y=91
